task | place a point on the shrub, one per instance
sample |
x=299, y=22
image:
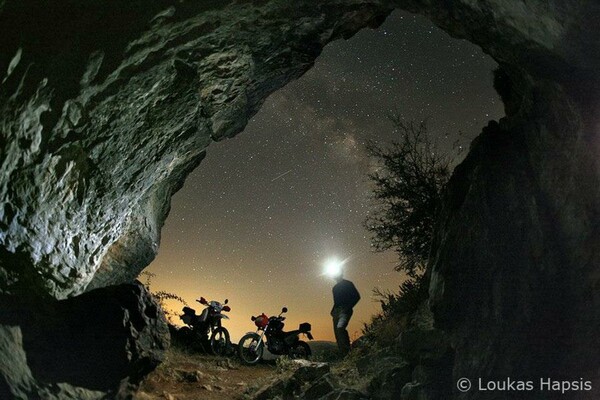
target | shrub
x=407, y=192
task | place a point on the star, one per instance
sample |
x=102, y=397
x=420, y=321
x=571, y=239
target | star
x=256, y=220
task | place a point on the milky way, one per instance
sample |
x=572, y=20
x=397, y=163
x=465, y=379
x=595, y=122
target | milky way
x=263, y=212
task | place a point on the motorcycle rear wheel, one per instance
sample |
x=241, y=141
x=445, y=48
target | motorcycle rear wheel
x=300, y=350
x=249, y=349
x=220, y=342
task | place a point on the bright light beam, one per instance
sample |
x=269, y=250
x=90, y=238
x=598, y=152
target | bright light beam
x=334, y=267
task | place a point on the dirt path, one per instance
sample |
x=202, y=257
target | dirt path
x=186, y=376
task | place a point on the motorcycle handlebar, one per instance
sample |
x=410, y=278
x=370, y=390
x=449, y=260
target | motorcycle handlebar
x=279, y=317
x=202, y=300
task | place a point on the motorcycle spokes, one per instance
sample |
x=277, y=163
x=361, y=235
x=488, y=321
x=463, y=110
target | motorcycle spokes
x=270, y=334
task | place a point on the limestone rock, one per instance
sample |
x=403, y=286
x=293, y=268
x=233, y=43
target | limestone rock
x=388, y=382
x=140, y=395
x=95, y=140
x=309, y=371
x=190, y=376
x=16, y=380
x=307, y=380
x=227, y=364
x=517, y=233
x=278, y=388
x=105, y=109
x=320, y=388
x=373, y=361
x=102, y=342
x=208, y=388
x=414, y=391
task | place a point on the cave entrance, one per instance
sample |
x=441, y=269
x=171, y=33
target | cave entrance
x=256, y=221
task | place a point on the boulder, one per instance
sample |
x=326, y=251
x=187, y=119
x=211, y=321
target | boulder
x=280, y=388
x=313, y=377
x=321, y=388
x=82, y=197
x=387, y=384
x=414, y=391
x=377, y=360
x=103, y=342
x=189, y=376
x=309, y=371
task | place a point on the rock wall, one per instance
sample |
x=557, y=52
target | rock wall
x=97, y=345
x=515, y=270
x=106, y=107
x=516, y=261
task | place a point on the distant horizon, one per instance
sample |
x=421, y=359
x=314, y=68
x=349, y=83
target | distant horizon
x=239, y=323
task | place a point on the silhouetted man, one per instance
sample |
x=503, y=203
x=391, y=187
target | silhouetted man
x=345, y=297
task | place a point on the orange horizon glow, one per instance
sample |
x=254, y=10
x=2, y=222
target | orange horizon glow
x=245, y=303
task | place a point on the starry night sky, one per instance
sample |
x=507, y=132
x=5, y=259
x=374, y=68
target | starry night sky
x=263, y=212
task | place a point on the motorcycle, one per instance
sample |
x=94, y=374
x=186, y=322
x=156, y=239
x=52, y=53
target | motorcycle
x=207, y=326
x=270, y=332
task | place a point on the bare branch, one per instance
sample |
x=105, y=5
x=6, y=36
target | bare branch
x=407, y=193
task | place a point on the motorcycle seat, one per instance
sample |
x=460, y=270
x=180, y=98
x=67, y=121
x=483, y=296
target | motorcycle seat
x=305, y=327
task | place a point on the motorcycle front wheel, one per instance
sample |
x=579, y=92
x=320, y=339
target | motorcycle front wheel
x=250, y=350
x=300, y=350
x=219, y=342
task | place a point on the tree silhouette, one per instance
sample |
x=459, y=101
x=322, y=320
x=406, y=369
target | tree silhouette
x=410, y=177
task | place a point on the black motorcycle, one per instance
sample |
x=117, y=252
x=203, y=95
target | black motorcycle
x=270, y=332
x=206, y=328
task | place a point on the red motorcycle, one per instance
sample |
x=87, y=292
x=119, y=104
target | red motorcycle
x=270, y=332
x=206, y=327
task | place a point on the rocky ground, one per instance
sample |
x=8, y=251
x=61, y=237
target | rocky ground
x=412, y=364
x=187, y=376
x=416, y=367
